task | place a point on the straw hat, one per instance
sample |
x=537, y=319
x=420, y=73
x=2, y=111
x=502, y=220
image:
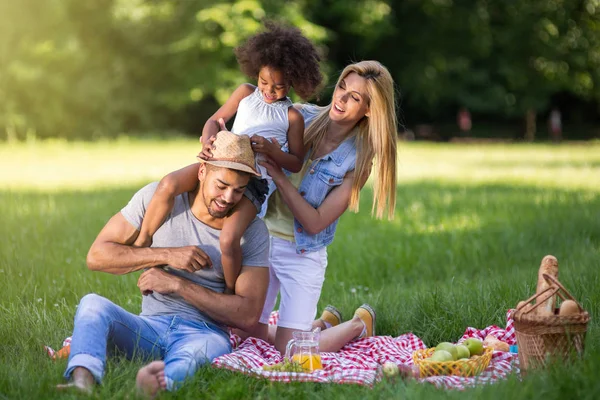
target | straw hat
x=234, y=152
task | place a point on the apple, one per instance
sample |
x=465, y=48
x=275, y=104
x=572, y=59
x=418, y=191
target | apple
x=474, y=345
x=441, y=355
x=463, y=351
x=449, y=347
x=390, y=369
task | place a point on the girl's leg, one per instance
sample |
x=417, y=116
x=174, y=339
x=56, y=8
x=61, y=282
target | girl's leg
x=263, y=330
x=231, y=235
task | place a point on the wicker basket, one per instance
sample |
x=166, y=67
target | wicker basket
x=541, y=338
x=465, y=367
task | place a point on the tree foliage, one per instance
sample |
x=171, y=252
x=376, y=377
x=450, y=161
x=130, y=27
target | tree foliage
x=71, y=68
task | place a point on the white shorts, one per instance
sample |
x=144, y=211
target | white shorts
x=299, y=280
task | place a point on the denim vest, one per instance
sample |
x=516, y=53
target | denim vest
x=324, y=175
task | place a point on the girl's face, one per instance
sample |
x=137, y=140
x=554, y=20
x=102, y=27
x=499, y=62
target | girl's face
x=272, y=85
x=350, y=100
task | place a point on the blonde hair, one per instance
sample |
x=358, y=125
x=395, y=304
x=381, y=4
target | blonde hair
x=375, y=137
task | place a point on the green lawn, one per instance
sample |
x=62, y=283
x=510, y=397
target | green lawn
x=472, y=224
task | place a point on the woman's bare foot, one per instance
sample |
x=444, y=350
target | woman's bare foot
x=82, y=380
x=151, y=379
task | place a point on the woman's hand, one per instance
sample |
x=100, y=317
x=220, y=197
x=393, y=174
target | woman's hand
x=273, y=169
x=264, y=146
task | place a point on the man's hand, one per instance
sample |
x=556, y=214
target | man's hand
x=157, y=280
x=188, y=258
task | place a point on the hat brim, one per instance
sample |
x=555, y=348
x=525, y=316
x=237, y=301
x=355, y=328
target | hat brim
x=232, y=165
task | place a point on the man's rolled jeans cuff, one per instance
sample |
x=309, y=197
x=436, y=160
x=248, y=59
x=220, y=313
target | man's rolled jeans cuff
x=89, y=362
x=256, y=192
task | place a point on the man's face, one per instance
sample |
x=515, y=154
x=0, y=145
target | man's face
x=222, y=188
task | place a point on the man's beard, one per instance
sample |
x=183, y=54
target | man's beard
x=217, y=214
x=212, y=211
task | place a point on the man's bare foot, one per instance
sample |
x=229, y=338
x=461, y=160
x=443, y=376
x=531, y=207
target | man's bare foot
x=151, y=379
x=82, y=380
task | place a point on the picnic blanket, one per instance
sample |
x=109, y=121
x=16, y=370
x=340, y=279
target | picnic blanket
x=360, y=361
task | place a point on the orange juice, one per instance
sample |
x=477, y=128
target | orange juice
x=309, y=362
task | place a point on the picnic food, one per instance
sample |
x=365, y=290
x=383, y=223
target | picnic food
x=449, y=347
x=544, y=331
x=523, y=306
x=569, y=307
x=548, y=266
x=493, y=342
x=428, y=363
x=390, y=369
x=309, y=362
x=284, y=366
x=462, y=351
x=474, y=345
x=441, y=355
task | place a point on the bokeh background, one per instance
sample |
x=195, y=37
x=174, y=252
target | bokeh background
x=91, y=69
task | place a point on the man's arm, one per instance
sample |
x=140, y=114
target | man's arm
x=112, y=251
x=240, y=310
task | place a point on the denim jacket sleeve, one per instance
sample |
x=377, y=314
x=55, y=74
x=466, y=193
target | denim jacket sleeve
x=323, y=176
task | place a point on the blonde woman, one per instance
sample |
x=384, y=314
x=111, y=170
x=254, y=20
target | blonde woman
x=345, y=141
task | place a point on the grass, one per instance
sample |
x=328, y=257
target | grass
x=472, y=224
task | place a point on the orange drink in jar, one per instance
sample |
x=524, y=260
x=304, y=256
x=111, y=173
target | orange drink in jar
x=309, y=362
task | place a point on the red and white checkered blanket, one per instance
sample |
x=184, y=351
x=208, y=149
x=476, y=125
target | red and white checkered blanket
x=359, y=361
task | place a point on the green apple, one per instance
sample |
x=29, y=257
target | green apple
x=390, y=369
x=463, y=351
x=449, y=347
x=474, y=345
x=441, y=355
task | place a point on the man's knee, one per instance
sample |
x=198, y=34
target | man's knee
x=182, y=367
x=183, y=363
x=93, y=305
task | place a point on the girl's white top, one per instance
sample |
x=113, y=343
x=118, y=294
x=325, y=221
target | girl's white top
x=257, y=117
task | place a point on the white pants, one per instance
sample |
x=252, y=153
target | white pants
x=299, y=280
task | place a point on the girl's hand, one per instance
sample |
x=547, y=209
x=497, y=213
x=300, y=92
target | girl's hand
x=206, y=153
x=264, y=146
x=273, y=169
x=207, y=148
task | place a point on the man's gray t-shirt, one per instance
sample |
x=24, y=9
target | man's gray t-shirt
x=182, y=228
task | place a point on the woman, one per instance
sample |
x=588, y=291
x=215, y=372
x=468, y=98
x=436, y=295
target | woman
x=344, y=140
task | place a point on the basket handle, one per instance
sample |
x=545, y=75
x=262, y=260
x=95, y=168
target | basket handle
x=547, y=293
x=554, y=282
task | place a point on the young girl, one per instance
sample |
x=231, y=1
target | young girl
x=280, y=58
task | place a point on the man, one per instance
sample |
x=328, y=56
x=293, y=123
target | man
x=184, y=310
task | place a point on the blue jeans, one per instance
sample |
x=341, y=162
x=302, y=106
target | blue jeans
x=102, y=327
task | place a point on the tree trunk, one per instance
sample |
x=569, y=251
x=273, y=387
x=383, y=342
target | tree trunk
x=530, y=125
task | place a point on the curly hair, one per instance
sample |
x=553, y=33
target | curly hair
x=287, y=50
